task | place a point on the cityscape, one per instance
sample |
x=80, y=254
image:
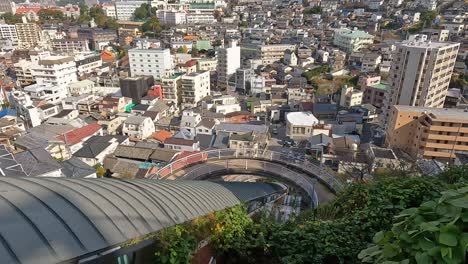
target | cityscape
x=234, y=131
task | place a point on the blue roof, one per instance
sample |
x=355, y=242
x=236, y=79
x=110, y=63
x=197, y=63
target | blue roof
x=7, y=112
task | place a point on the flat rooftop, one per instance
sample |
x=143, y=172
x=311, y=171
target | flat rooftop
x=438, y=113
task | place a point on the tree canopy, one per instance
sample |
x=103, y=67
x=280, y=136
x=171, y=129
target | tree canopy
x=96, y=13
x=142, y=12
x=11, y=18
x=46, y=14
x=373, y=218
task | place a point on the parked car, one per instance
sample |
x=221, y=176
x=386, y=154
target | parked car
x=288, y=143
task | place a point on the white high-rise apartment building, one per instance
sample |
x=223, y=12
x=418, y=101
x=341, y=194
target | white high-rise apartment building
x=172, y=17
x=420, y=73
x=56, y=70
x=29, y=34
x=195, y=86
x=229, y=60
x=157, y=62
x=8, y=32
x=124, y=10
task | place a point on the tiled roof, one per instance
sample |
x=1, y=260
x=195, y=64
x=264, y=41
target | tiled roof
x=77, y=135
x=179, y=141
x=162, y=135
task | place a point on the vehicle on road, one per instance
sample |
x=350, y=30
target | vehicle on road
x=288, y=142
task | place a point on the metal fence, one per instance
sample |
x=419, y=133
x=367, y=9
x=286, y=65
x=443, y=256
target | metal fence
x=322, y=173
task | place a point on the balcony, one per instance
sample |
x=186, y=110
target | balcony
x=439, y=137
x=438, y=154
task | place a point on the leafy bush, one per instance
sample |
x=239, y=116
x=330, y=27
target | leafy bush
x=436, y=232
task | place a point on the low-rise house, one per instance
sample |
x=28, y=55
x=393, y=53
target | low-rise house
x=81, y=87
x=37, y=162
x=181, y=144
x=96, y=148
x=161, y=135
x=190, y=121
x=149, y=100
x=299, y=125
x=53, y=94
x=381, y=158
x=206, y=127
x=68, y=143
x=370, y=62
x=138, y=127
x=114, y=105
x=75, y=168
x=83, y=103
x=238, y=117
x=243, y=141
x=112, y=125
x=350, y=97
x=140, y=109
x=324, y=111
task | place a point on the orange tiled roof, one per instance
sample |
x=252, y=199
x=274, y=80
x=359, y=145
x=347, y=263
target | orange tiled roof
x=162, y=135
x=77, y=135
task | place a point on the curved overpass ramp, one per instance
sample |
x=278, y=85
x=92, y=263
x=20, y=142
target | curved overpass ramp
x=318, y=182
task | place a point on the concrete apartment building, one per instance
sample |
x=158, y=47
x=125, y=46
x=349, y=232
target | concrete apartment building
x=98, y=38
x=352, y=40
x=56, y=70
x=350, y=97
x=29, y=34
x=170, y=88
x=272, y=53
x=156, y=62
x=70, y=45
x=9, y=32
x=124, y=9
x=5, y=6
x=430, y=133
x=420, y=73
x=195, y=86
x=229, y=60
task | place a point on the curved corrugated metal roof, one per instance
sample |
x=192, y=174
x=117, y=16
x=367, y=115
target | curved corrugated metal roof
x=48, y=220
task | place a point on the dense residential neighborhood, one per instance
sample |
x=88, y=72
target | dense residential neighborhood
x=343, y=91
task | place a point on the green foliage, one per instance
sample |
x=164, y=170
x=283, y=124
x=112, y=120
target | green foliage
x=230, y=228
x=100, y=171
x=175, y=245
x=96, y=13
x=195, y=52
x=457, y=175
x=459, y=81
x=243, y=24
x=152, y=25
x=67, y=2
x=141, y=12
x=428, y=17
x=435, y=232
x=337, y=232
x=309, y=75
x=50, y=15
x=182, y=49
x=313, y=10
x=10, y=18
